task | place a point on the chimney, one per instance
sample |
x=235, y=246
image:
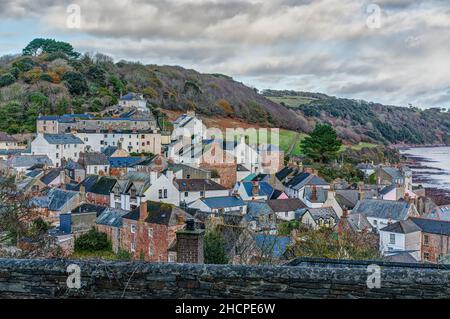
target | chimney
x=143, y=213
x=62, y=177
x=255, y=189
x=361, y=194
x=345, y=213
x=314, y=194
x=190, y=244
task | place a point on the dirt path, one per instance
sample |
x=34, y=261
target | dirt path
x=294, y=142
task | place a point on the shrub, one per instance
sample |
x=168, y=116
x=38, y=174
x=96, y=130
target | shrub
x=7, y=79
x=92, y=241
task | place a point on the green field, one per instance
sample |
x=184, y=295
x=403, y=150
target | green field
x=362, y=145
x=291, y=101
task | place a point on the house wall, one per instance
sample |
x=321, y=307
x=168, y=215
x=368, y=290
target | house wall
x=386, y=245
x=98, y=199
x=56, y=152
x=437, y=245
x=132, y=142
x=193, y=196
x=140, y=244
x=47, y=127
x=101, y=170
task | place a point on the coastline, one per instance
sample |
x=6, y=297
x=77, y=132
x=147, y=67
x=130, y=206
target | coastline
x=438, y=195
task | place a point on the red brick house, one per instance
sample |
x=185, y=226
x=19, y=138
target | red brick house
x=148, y=231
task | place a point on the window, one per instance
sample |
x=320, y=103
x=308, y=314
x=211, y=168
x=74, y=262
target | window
x=133, y=229
x=151, y=251
x=186, y=194
x=171, y=258
x=426, y=240
x=188, y=176
x=426, y=256
x=392, y=239
x=150, y=232
x=133, y=247
x=165, y=193
x=202, y=194
x=160, y=194
x=57, y=155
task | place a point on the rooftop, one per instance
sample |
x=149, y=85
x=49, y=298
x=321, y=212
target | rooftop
x=197, y=185
x=62, y=139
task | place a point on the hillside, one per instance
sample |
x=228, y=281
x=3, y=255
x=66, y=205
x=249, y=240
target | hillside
x=51, y=78
x=361, y=121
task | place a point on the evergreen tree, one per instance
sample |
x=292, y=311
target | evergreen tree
x=214, y=249
x=322, y=145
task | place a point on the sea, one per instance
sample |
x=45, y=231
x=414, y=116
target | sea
x=432, y=168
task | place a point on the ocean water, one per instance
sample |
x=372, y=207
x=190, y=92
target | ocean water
x=435, y=162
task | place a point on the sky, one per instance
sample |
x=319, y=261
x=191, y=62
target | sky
x=389, y=51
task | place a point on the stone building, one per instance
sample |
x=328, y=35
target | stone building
x=148, y=231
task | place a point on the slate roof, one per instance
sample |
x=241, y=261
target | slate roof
x=112, y=217
x=122, y=162
x=321, y=195
x=62, y=139
x=386, y=209
x=50, y=176
x=358, y=222
x=223, y=201
x=158, y=213
x=302, y=179
x=439, y=213
x=285, y=205
x=324, y=213
x=401, y=257
x=4, y=137
x=256, y=209
x=386, y=190
x=196, y=185
x=285, y=172
x=395, y=173
x=54, y=200
x=265, y=189
x=93, y=159
x=35, y=172
x=402, y=227
x=131, y=97
x=72, y=165
x=103, y=186
x=242, y=168
x=432, y=226
x=89, y=208
x=110, y=150
x=276, y=246
x=29, y=160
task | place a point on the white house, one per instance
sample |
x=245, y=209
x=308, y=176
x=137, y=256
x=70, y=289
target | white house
x=244, y=154
x=295, y=186
x=57, y=147
x=188, y=125
x=380, y=213
x=223, y=204
x=132, y=142
x=135, y=188
x=94, y=163
x=134, y=100
x=402, y=236
x=190, y=190
x=285, y=209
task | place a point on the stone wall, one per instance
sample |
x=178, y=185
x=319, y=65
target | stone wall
x=306, y=278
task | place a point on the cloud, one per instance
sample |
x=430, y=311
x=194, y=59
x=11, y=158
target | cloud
x=319, y=45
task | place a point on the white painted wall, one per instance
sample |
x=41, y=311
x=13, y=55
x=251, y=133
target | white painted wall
x=56, y=152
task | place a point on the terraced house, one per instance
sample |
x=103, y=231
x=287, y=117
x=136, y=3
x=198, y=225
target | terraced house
x=150, y=230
